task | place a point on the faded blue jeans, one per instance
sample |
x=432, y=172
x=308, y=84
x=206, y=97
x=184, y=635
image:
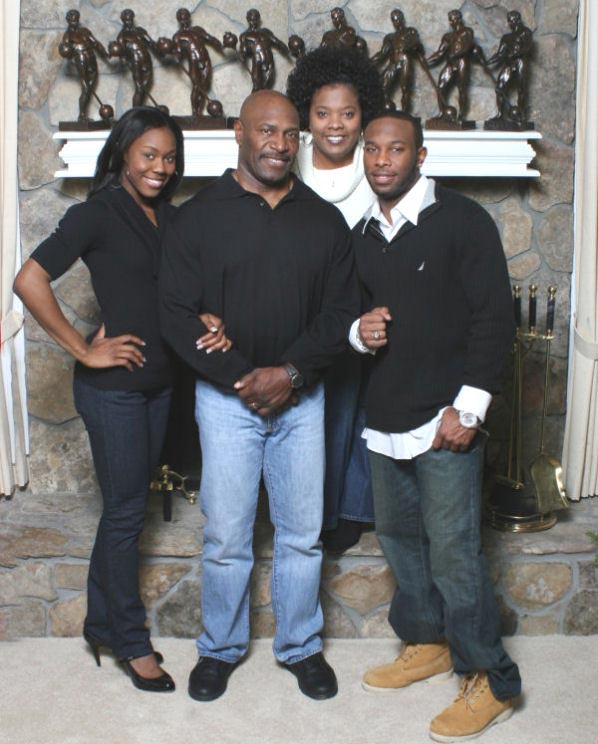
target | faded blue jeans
x=237, y=446
x=428, y=521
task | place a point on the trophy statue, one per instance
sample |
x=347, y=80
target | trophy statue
x=78, y=45
x=189, y=48
x=458, y=49
x=342, y=35
x=255, y=45
x=513, y=56
x=398, y=50
x=296, y=46
x=133, y=45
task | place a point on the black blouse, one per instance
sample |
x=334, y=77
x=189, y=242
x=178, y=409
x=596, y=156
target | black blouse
x=121, y=249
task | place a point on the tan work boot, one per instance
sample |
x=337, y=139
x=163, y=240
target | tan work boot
x=474, y=710
x=416, y=662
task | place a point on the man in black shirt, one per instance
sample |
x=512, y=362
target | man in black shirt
x=275, y=261
x=440, y=325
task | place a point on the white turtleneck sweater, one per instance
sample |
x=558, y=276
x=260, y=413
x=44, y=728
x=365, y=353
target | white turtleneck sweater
x=344, y=187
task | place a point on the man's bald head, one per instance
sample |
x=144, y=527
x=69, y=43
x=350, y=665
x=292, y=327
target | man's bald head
x=270, y=100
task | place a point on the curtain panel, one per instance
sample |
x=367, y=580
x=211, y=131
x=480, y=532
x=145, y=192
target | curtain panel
x=580, y=448
x=14, y=442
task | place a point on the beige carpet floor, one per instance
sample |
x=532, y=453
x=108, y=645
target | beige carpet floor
x=52, y=693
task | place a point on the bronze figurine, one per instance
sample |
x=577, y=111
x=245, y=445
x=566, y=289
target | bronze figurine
x=80, y=46
x=296, y=46
x=398, y=50
x=133, y=45
x=255, y=45
x=513, y=55
x=189, y=45
x=342, y=35
x=458, y=49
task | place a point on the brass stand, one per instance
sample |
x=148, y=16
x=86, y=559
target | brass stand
x=516, y=505
x=167, y=482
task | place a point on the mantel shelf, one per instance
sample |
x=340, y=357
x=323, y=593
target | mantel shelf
x=472, y=153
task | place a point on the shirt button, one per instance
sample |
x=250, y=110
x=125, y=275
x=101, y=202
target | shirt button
x=262, y=204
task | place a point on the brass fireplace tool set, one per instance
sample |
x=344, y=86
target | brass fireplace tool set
x=526, y=499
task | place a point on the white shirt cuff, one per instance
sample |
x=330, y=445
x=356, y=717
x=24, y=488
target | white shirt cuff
x=356, y=341
x=473, y=400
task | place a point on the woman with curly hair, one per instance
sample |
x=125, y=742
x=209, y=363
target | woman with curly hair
x=337, y=91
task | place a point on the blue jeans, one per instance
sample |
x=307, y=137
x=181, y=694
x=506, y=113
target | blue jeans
x=347, y=489
x=237, y=446
x=126, y=432
x=428, y=521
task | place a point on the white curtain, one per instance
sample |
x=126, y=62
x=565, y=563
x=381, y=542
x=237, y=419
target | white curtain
x=14, y=442
x=580, y=449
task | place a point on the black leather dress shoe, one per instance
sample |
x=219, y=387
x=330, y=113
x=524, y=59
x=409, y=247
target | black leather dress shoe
x=315, y=676
x=209, y=677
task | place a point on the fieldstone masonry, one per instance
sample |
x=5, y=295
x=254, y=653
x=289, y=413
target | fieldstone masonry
x=546, y=582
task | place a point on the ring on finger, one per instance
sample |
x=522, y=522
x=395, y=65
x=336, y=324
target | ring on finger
x=376, y=335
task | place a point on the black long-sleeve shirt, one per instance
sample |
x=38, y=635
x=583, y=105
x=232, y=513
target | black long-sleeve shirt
x=121, y=248
x=282, y=279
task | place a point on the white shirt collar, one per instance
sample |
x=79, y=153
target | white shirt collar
x=408, y=208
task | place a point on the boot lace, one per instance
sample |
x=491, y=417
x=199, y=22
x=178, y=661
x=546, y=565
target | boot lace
x=471, y=689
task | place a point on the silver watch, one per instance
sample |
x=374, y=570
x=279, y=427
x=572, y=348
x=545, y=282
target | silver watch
x=469, y=420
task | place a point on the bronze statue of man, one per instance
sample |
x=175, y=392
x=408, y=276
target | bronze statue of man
x=398, y=50
x=189, y=44
x=255, y=44
x=513, y=55
x=80, y=45
x=133, y=44
x=458, y=48
x=342, y=35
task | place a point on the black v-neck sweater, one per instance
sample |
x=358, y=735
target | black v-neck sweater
x=445, y=282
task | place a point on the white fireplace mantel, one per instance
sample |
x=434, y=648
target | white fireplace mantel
x=472, y=153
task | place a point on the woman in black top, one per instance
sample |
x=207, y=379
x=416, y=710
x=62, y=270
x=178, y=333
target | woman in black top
x=122, y=375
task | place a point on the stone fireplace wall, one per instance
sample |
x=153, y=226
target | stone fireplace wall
x=49, y=528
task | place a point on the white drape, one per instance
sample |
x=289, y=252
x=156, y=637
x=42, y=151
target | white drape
x=580, y=448
x=14, y=442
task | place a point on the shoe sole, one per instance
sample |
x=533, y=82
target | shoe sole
x=500, y=718
x=435, y=679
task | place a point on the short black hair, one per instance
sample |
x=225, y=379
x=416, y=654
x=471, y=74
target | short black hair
x=415, y=121
x=331, y=66
x=131, y=125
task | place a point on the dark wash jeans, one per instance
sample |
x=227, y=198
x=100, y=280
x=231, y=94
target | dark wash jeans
x=428, y=521
x=126, y=432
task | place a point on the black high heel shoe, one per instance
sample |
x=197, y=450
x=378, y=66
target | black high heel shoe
x=163, y=683
x=95, y=645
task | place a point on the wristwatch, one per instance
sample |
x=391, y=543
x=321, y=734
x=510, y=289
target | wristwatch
x=469, y=420
x=295, y=376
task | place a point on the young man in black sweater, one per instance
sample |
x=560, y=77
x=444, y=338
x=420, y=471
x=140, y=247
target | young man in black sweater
x=439, y=327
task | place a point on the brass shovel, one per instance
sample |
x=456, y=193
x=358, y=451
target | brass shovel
x=546, y=471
